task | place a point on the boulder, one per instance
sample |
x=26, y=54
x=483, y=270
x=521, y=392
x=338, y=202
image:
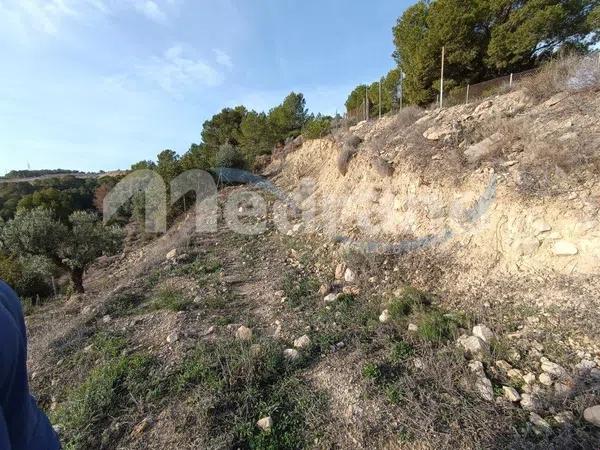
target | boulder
x=545, y=379
x=349, y=276
x=503, y=365
x=477, y=152
x=555, y=99
x=291, y=354
x=511, y=394
x=552, y=368
x=483, y=333
x=437, y=132
x=171, y=255
x=592, y=415
x=564, y=248
x=384, y=316
x=330, y=298
x=265, y=424
x=339, y=271
x=564, y=417
x=485, y=389
x=243, y=333
x=302, y=342
x=539, y=226
x=173, y=337
x=537, y=421
x=477, y=368
x=529, y=402
x=473, y=346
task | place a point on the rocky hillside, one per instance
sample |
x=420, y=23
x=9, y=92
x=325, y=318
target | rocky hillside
x=433, y=286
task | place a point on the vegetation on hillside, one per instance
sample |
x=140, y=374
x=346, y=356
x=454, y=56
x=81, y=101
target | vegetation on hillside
x=37, y=173
x=235, y=137
x=482, y=40
x=71, y=247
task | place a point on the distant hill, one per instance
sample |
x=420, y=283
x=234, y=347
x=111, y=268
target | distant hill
x=37, y=173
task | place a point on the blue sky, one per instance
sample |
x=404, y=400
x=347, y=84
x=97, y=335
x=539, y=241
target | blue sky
x=100, y=84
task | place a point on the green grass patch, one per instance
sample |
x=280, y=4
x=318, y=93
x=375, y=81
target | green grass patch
x=299, y=290
x=108, y=391
x=198, y=268
x=394, y=394
x=123, y=304
x=436, y=327
x=371, y=371
x=400, y=352
x=344, y=320
x=246, y=382
x=171, y=301
x=411, y=300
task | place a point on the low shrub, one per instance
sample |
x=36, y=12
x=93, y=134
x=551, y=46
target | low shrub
x=318, y=127
x=571, y=73
x=230, y=157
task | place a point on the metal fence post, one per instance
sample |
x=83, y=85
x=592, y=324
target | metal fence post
x=468, y=85
x=367, y=103
x=380, y=99
x=442, y=79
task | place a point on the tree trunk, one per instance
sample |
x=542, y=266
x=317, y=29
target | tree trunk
x=77, y=280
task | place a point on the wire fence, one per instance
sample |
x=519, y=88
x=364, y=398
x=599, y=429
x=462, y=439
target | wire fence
x=489, y=88
x=369, y=109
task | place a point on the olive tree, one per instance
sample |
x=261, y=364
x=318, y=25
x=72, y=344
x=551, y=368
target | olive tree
x=72, y=247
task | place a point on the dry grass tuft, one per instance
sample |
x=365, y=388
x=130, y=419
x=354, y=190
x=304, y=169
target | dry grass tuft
x=382, y=167
x=349, y=149
x=572, y=73
x=343, y=159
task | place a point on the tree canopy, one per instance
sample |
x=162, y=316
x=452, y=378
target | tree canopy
x=71, y=247
x=483, y=39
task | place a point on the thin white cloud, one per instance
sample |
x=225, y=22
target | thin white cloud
x=223, y=58
x=151, y=10
x=40, y=15
x=175, y=71
x=22, y=17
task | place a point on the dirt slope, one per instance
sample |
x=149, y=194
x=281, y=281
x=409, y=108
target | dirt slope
x=436, y=288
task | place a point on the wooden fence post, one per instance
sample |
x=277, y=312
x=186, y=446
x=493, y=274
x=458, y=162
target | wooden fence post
x=468, y=85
